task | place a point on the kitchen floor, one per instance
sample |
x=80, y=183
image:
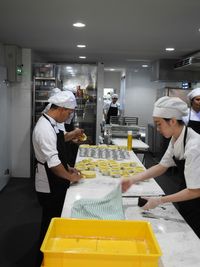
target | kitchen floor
x=19, y=223
x=20, y=218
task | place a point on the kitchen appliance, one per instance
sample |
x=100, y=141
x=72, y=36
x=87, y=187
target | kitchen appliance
x=174, y=92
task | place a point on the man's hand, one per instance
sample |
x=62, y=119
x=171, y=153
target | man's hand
x=75, y=177
x=78, y=132
x=72, y=170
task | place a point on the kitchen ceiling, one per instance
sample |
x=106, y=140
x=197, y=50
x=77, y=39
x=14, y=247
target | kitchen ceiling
x=125, y=31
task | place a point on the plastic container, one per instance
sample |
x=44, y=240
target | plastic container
x=107, y=243
x=129, y=140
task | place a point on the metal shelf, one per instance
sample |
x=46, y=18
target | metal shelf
x=45, y=78
x=41, y=101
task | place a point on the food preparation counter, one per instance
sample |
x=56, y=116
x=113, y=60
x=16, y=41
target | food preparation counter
x=136, y=143
x=179, y=244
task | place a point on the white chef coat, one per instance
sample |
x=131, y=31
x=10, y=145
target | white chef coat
x=45, y=148
x=108, y=104
x=194, y=116
x=191, y=156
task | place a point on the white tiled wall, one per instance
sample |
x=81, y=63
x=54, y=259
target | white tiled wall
x=21, y=120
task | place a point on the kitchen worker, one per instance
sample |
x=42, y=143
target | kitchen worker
x=111, y=108
x=183, y=151
x=193, y=118
x=72, y=135
x=53, y=174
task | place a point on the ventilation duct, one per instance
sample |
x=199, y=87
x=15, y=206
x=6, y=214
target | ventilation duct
x=191, y=63
x=163, y=70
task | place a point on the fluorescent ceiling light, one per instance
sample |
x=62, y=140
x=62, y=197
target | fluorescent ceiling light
x=145, y=66
x=170, y=49
x=83, y=57
x=111, y=69
x=81, y=46
x=136, y=60
x=79, y=24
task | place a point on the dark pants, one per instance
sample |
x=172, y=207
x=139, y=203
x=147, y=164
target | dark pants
x=51, y=207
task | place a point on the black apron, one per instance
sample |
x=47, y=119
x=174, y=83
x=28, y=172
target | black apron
x=190, y=209
x=195, y=125
x=113, y=111
x=71, y=146
x=52, y=203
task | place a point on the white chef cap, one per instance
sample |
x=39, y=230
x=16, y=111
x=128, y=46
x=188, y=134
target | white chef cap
x=170, y=107
x=55, y=91
x=195, y=92
x=65, y=99
x=115, y=96
x=72, y=89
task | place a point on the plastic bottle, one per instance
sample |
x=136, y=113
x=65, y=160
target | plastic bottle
x=129, y=140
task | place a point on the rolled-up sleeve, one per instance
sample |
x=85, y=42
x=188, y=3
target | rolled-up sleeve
x=167, y=159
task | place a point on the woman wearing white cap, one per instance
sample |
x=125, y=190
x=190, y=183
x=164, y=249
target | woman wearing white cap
x=183, y=151
x=111, y=108
x=193, y=118
x=53, y=175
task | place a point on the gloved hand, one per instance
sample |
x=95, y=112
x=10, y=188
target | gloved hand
x=152, y=203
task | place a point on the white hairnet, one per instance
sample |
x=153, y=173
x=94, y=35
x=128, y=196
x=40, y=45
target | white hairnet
x=65, y=99
x=195, y=92
x=170, y=107
x=115, y=96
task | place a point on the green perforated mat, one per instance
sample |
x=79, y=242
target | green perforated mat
x=107, y=208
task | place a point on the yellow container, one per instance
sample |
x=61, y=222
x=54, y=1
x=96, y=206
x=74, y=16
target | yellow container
x=107, y=243
x=129, y=140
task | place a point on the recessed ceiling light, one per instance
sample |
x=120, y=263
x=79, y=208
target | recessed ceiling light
x=170, y=49
x=83, y=57
x=79, y=24
x=145, y=66
x=81, y=46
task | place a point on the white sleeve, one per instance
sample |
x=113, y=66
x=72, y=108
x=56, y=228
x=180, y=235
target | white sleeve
x=45, y=145
x=167, y=159
x=192, y=166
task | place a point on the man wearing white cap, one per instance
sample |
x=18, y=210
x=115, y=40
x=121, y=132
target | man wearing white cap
x=111, y=108
x=183, y=151
x=193, y=118
x=53, y=175
x=72, y=135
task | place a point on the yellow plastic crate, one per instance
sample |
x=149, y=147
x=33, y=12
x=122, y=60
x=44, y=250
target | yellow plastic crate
x=107, y=243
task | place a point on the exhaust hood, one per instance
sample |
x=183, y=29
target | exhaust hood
x=191, y=63
x=164, y=70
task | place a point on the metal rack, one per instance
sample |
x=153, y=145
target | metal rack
x=42, y=87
